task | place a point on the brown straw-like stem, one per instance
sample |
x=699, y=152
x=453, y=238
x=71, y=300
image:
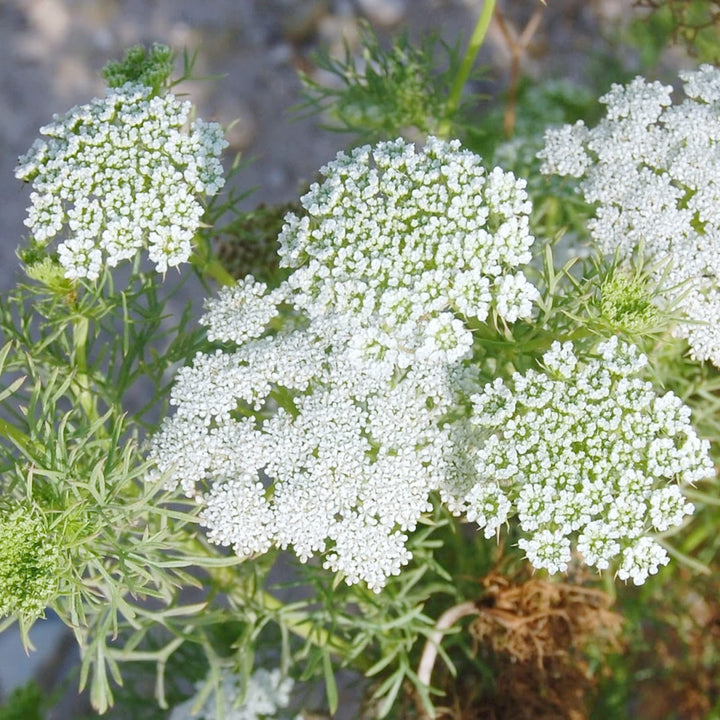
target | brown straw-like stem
x=517, y=44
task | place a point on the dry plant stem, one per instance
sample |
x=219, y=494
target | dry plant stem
x=445, y=621
x=517, y=46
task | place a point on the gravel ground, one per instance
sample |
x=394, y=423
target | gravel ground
x=51, y=52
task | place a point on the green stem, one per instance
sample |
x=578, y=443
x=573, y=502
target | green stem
x=295, y=621
x=476, y=41
x=681, y=557
x=298, y=624
x=205, y=261
x=81, y=328
x=17, y=436
x=608, y=581
x=701, y=496
x=159, y=656
x=217, y=272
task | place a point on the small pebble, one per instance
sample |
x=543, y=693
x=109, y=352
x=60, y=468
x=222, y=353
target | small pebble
x=383, y=12
x=301, y=24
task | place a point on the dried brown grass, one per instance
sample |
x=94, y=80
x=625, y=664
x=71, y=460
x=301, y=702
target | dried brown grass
x=538, y=637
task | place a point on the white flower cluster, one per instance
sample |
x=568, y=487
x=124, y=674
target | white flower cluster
x=119, y=174
x=586, y=452
x=403, y=240
x=328, y=436
x=653, y=169
x=267, y=694
x=306, y=440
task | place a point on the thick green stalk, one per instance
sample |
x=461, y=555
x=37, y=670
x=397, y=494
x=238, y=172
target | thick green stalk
x=204, y=259
x=81, y=328
x=476, y=41
x=297, y=622
x=217, y=272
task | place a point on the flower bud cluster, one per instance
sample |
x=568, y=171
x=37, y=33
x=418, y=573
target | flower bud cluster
x=652, y=169
x=405, y=240
x=120, y=174
x=29, y=565
x=150, y=67
x=587, y=455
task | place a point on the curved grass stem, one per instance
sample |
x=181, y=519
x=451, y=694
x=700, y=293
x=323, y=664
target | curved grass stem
x=430, y=651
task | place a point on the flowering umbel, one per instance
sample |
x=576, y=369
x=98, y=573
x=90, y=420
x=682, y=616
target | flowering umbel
x=586, y=453
x=123, y=172
x=652, y=169
x=405, y=240
x=328, y=436
x=350, y=453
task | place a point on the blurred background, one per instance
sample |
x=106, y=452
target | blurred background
x=51, y=53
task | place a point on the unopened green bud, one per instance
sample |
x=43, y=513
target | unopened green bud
x=49, y=272
x=150, y=67
x=627, y=302
x=29, y=564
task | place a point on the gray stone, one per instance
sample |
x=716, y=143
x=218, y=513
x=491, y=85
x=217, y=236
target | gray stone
x=383, y=12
